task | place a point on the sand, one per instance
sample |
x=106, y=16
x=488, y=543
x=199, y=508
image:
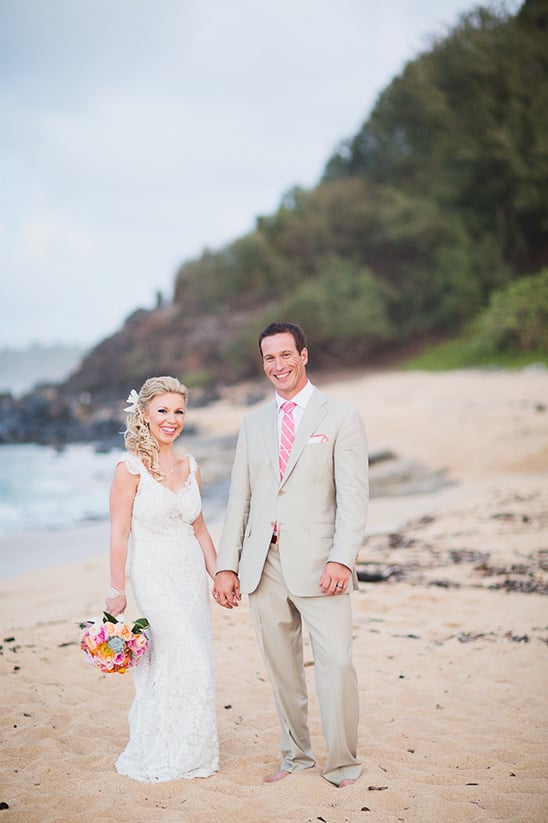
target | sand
x=451, y=648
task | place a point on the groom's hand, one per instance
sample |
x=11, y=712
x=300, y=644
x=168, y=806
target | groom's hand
x=226, y=589
x=335, y=578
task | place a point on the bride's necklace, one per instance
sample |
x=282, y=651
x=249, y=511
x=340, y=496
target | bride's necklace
x=171, y=469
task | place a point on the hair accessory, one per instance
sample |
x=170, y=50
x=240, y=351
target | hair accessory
x=133, y=400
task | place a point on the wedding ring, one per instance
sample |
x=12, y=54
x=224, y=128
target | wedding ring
x=338, y=586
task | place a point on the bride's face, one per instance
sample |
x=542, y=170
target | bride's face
x=165, y=415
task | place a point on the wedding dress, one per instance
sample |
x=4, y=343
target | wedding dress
x=173, y=730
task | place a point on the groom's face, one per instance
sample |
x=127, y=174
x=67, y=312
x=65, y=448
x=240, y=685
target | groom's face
x=284, y=366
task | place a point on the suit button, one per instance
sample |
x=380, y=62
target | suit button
x=282, y=491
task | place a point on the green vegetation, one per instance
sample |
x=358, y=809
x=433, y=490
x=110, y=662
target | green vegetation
x=436, y=204
x=462, y=354
x=516, y=319
x=511, y=332
x=197, y=379
x=344, y=303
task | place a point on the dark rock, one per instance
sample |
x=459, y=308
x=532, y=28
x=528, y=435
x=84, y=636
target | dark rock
x=394, y=477
x=380, y=455
x=379, y=575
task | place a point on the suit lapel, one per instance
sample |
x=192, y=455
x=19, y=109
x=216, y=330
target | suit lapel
x=271, y=435
x=313, y=413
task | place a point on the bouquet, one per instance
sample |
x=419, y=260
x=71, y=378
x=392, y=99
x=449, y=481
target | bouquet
x=114, y=645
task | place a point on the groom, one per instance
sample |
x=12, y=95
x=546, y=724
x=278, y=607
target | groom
x=295, y=522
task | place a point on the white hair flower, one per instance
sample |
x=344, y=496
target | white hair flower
x=133, y=400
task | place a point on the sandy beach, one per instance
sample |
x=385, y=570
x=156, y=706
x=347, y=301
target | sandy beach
x=450, y=643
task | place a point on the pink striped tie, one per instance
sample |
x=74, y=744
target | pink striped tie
x=288, y=434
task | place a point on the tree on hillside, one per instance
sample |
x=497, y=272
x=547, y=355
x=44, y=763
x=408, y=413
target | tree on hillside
x=467, y=124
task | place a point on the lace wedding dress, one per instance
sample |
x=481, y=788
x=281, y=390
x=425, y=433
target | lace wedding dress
x=173, y=730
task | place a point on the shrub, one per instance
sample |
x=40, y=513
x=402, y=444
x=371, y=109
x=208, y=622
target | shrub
x=344, y=304
x=516, y=318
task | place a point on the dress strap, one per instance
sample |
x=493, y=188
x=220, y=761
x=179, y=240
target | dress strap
x=192, y=464
x=133, y=463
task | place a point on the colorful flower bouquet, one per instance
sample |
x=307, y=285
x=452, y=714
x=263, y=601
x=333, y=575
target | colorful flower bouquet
x=114, y=645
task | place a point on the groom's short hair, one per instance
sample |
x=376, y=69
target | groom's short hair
x=282, y=328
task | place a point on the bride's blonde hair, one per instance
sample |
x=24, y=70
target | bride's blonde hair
x=137, y=437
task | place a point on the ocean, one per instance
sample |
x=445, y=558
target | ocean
x=42, y=487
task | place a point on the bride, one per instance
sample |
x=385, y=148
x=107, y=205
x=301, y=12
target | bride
x=155, y=499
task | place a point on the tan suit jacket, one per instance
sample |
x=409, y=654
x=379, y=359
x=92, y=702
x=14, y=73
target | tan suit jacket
x=320, y=506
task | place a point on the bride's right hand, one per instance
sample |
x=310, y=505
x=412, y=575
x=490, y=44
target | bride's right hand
x=226, y=589
x=116, y=605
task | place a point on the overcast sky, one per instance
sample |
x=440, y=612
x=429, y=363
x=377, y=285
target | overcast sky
x=135, y=133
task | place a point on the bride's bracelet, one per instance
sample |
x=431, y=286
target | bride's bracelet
x=112, y=593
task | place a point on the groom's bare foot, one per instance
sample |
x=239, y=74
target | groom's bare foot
x=273, y=778
x=347, y=782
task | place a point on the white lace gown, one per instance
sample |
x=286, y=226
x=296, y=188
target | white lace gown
x=172, y=722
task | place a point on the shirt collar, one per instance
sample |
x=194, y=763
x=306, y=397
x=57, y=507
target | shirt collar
x=301, y=399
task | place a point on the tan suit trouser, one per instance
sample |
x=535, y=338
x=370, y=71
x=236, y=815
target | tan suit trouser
x=277, y=617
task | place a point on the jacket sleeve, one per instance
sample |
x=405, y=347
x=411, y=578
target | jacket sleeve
x=352, y=490
x=237, y=511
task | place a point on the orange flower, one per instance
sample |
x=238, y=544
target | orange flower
x=125, y=632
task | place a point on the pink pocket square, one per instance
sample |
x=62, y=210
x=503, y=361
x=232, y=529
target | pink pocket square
x=318, y=438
